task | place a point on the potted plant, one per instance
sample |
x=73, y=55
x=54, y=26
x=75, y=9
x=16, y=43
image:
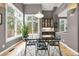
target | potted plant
x=24, y=31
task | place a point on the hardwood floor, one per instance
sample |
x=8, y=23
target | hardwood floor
x=66, y=51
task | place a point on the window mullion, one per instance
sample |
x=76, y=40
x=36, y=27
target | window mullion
x=15, y=27
x=32, y=27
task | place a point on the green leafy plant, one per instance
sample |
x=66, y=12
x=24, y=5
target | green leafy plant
x=24, y=31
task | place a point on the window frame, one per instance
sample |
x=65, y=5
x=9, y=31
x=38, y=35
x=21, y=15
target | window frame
x=26, y=15
x=65, y=24
x=15, y=36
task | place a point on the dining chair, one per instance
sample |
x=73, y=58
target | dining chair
x=41, y=45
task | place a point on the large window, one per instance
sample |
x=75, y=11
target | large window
x=10, y=21
x=32, y=23
x=14, y=21
x=63, y=25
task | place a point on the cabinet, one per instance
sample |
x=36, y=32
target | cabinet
x=47, y=28
x=47, y=22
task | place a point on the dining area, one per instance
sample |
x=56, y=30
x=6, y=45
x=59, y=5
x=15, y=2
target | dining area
x=31, y=29
x=43, y=47
x=48, y=40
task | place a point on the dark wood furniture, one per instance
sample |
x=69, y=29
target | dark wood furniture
x=41, y=45
x=53, y=25
x=29, y=42
x=55, y=42
x=47, y=22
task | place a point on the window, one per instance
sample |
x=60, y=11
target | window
x=29, y=24
x=63, y=25
x=32, y=23
x=10, y=21
x=35, y=27
x=14, y=21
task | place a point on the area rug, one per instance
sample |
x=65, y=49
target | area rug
x=53, y=51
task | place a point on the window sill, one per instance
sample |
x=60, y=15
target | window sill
x=13, y=38
x=63, y=31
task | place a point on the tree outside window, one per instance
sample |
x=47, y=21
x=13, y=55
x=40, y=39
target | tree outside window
x=14, y=21
x=10, y=21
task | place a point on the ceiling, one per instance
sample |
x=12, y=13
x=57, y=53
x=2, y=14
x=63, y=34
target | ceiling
x=63, y=14
x=47, y=6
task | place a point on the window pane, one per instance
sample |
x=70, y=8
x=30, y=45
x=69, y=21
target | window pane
x=29, y=18
x=35, y=27
x=35, y=19
x=19, y=24
x=29, y=24
x=62, y=25
x=32, y=23
x=10, y=11
x=10, y=22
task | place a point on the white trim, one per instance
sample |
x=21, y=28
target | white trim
x=69, y=48
x=6, y=22
x=47, y=29
x=32, y=35
x=65, y=25
x=47, y=36
x=15, y=28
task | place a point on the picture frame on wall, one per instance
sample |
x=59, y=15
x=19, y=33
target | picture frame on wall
x=0, y=18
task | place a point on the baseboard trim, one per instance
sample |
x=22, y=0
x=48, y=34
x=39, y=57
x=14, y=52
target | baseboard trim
x=69, y=48
x=6, y=51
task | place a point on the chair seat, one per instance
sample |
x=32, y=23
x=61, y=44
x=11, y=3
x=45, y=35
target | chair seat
x=42, y=46
x=54, y=43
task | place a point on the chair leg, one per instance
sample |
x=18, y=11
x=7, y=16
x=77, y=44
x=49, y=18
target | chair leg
x=60, y=50
x=49, y=51
x=36, y=52
x=25, y=48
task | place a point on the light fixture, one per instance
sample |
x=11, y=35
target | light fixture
x=39, y=15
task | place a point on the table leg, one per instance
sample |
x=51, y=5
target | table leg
x=25, y=48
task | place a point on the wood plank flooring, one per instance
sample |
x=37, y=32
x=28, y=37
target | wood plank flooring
x=66, y=51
